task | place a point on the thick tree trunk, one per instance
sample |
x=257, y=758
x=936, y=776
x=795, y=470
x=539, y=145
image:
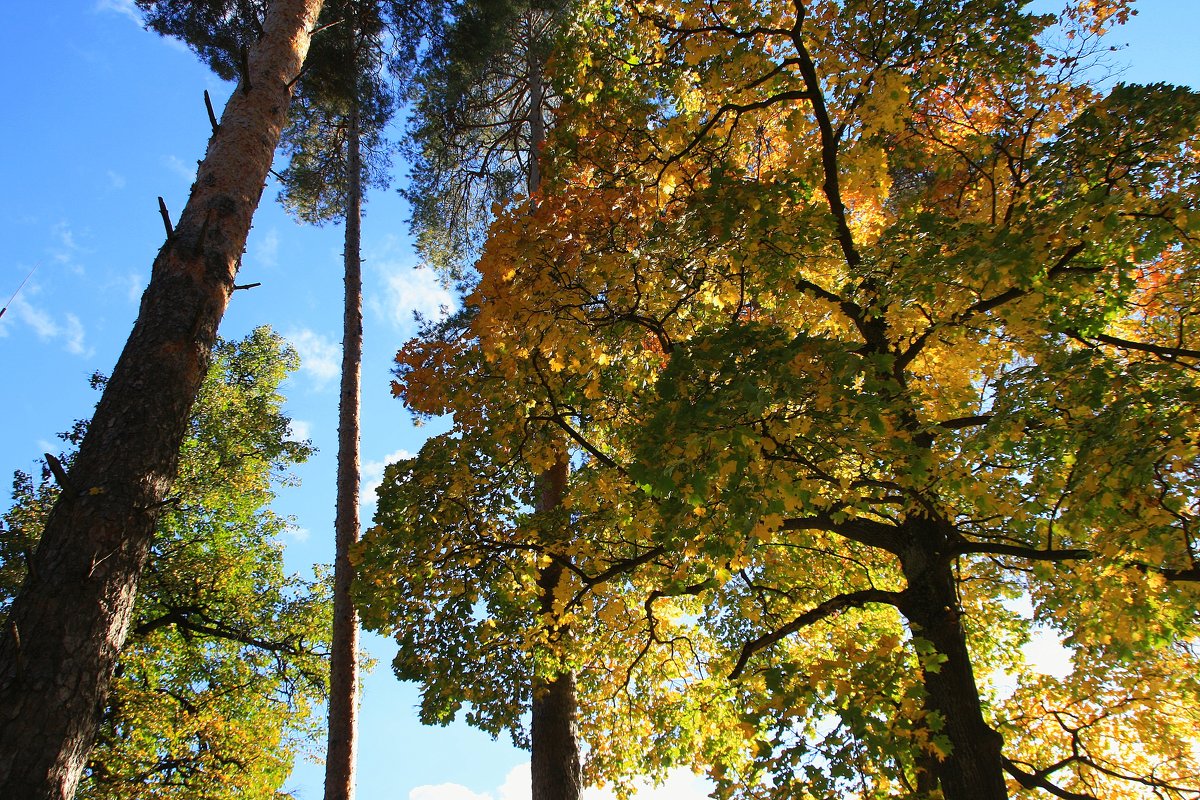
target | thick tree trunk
x=343, y=666
x=554, y=763
x=974, y=769
x=70, y=619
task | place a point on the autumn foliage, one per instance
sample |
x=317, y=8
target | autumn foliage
x=872, y=330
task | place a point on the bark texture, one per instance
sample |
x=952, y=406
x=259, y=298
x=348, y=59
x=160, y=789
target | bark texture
x=974, y=770
x=340, y=753
x=68, y=623
x=554, y=761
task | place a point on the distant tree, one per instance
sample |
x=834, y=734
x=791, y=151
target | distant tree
x=482, y=105
x=69, y=620
x=215, y=685
x=342, y=109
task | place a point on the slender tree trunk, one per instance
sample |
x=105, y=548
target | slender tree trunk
x=974, y=769
x=67, y=625
x=343, y=666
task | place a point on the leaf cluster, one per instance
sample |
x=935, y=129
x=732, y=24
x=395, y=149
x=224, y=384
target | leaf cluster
x=214, y=690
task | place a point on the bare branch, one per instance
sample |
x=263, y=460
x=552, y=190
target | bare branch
x=1031, y=780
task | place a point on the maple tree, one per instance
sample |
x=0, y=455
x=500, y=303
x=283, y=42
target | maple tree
x=226, y=656
x=871, y=326
x=476, y=138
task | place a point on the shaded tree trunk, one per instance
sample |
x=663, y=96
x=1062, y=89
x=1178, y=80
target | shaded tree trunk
x=974, y=769
x=343, y=665
x=554, y=762
x=71, y=617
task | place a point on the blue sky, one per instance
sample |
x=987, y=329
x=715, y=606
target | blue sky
x=101, y=118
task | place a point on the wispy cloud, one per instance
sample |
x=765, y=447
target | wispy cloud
x=115, y=179
x=180, y=168
x=65, y=248
x=301, y=430
x=679, y=785
x=408, y=288
x=412, y=292
x=264, y=250
x=295, y=533
x=135, y=285
x=320, y=358
x=123, y=7
x=66, y=329
x=372, y=477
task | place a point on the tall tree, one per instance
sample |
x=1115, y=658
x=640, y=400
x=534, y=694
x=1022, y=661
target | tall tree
x=70, y=619
x=342, y=101
x=217, y=682
x=858, y=314
x=324, y=181
x=482, y=109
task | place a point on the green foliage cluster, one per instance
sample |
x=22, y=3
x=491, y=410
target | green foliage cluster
x=215, y=688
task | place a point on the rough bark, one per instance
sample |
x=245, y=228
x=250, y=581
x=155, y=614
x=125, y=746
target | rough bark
x=554, y=763
x=68, y=623
x=343, y=666
x=974, y=769
x=554, y=760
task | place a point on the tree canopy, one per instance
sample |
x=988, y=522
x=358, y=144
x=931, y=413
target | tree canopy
x=216, y=684
x=871, y=327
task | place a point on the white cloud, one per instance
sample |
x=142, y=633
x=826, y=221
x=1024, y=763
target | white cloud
x=301, y=430
x=124, y=7
x=115, y=179
x=408, y=287
x=372, y=477
x=320, y=358
x=67, y=248
x=136, y=286
x=445, y=791
x=296, y=534
x=73, y=335
x=264, y=250
x=69, y=330
x=176, y=165
x=679, y=785
x=415, y=290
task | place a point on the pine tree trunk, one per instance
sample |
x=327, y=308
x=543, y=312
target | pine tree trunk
x=67, y=625
x=343, y=666
x=974, y=769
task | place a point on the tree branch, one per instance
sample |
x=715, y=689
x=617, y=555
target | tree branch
x=826, y=609
x=1144, y=347
x=864, y=531
x=1029, y=553
x=1030, y=780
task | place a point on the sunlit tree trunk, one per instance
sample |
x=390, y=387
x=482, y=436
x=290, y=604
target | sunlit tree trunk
x=343, y=668
x=68, y=623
